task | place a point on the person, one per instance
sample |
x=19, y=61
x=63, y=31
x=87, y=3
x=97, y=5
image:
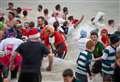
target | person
x=10, y=22
x=3, y=73
x=104, y=37
x=99, y=47
x=32, y=53
x=116, y=74
x=65, y=13
x=10, y=6
x=9, y=45
x=68, y=76
x=46, y=14
x=18, y=12
x=111, y=26
x=108, y=58
x=57, y=12
x=83, y=61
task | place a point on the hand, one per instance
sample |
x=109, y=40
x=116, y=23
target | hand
x=90, y=77
x=49, y=68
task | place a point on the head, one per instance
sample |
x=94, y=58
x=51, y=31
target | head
x=25, y=13
x=65, y=23
x=19, y=10
x=114, y=40
x=65, y=10
x=94, y=36
x=104, y=32
x=11, y=15
x=10, y=5
x=58, y=7
x=68, y=75
x=40, y=7
x=50, y=30
x=83, y=34
x=26, y=25
x=31, y=24
x=56, y=25
x=40, y=21
x=45, y=11
x=90, y=45
x=111, y=22
x=118, y=58
x=70, y=18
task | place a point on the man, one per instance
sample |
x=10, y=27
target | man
x=9, y=45
x=99, y=47
x=68, y=76
x=32, y=53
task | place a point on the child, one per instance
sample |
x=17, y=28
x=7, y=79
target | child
x=68, y=76
x=116, y=76
x=84, y=61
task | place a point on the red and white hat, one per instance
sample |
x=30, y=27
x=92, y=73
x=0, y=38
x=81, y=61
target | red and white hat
x=33, y=33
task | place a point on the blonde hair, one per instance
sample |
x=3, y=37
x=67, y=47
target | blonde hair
x=90, y=44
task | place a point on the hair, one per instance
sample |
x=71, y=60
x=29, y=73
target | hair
x=45, y=11
x=111, y=21
x=56, y=25
x=65, y=23
x=25, y=13
x=19, y=10
x=90, y=44
x=70, y=18
x=118, y=54
x=13, y=14
x=57, y=7
x=10, y=3
x=65, y=9
x=68, y=72
x=94, y=33
x=40, y=7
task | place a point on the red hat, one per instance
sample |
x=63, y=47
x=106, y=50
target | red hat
x=104, y=30
x=33, y=33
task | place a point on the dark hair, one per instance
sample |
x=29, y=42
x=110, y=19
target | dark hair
x=25, y=13
x=40, y=7
x=45, y=11
x=19, y=10
x=13, y=14
x=31, y=24
x=10, y=3
x=65, y=23
x=70, y=18
x=18, y=21
x=45, y=22
x=94, y=33
x=68, y=72
x=2, y=19
x=56, y=25
x=111, y=21
x=65, y=9
x=58, y=7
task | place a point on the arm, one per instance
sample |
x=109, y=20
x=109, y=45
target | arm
x=81, y=19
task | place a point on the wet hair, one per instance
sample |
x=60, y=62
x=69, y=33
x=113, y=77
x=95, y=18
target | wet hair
x=2, y=19
x=94, y=33
x=45, y=11
x=65, y=9
x=58, y=7
x=18, y=21
x=13, y=14
x=111, y=21
x=25, y=13
x=45, y=22
x=31, y=24
x=68, y=72
x=56, y=25
x=70, y=18
x=90, y=44
x=19, y=10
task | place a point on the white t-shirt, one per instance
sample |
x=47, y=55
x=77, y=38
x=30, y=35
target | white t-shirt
x=9, y=45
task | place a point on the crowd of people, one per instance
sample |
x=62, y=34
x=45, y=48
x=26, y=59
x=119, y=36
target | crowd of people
x=24, y=43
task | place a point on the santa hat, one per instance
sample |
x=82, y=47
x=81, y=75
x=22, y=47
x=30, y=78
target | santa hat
x=33, y=33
